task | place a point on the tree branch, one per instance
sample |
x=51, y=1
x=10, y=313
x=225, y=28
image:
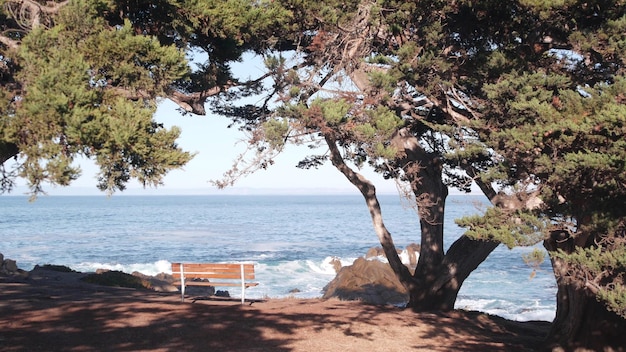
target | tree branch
x=28, y=13
x=194, y=102
x=368, y=191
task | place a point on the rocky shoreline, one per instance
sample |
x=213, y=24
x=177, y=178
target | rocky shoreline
x=368, y=279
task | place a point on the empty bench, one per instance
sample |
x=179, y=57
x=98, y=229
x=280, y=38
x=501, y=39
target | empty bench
x=216, y=275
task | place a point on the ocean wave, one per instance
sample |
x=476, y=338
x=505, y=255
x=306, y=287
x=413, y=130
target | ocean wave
x=513, y=310
x=160, y=266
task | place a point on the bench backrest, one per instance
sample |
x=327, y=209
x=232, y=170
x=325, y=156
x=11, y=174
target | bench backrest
x=213, y=271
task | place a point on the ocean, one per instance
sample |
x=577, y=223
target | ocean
x=292, y=239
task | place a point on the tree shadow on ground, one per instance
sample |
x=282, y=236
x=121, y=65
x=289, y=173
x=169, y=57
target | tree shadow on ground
x=106, y=319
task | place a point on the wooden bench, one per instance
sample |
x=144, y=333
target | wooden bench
x=216, y=275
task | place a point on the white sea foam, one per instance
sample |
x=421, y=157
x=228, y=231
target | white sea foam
x=161, y=266
x=520, y=311
x=404, y=257
x=299, y=278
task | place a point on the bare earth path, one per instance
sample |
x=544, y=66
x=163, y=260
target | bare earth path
x=60, y=313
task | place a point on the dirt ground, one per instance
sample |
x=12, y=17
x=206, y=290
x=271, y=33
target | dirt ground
x=60, y=313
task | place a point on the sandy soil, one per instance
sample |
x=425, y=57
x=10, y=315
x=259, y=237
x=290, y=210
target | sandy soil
x=57, y=312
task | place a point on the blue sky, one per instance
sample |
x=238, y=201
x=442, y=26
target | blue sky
x=218, y=146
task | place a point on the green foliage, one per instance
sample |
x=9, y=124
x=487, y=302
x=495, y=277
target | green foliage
x=559, y=125
x=381, y=125
x=615, y=298
x=384, y=151
x=512, y=228
x=77, y=78
x=383, y=81
x=385, y=121
x=333, y=111
x=603, y=269
x=273, y=63
x=534, y=259
x=276, y=132
x=365, y=131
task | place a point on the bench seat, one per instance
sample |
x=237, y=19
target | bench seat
x=215, y=274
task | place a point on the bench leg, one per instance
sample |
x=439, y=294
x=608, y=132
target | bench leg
x=243, y=286
x=182, y=284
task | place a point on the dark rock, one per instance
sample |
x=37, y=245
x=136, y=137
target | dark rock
x=370, y=281
x=164, y=277
x=10, y=265
x=220, y=293
x=52, y=267
x=295, y=290
x=56, y=273
x=200, y=290
x=116, y=278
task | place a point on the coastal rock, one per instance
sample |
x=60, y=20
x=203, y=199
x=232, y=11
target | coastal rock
x=200, y=290
x=374, y=252
x=370, y=281
x=56, y=274
x=222, y=293
x=8, y=267
x=161, y=282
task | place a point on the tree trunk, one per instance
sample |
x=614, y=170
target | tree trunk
x=438, y=276
x=368, y=191
x=424, y=174
x=463, y=257
x=580, y=321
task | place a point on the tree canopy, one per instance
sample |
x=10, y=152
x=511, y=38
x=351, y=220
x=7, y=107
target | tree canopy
x=83, y=78
x=525, y=98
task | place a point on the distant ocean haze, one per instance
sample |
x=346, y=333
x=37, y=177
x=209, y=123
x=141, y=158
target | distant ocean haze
x=292, y=239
